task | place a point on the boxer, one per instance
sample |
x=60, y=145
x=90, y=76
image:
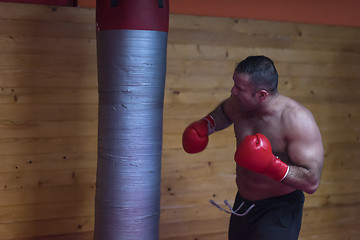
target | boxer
x=279, y=153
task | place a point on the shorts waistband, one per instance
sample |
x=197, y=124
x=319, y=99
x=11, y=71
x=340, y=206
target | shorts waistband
x=296, y=195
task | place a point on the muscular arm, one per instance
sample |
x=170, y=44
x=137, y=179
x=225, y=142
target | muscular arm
x=223, y=115
x=305, y=149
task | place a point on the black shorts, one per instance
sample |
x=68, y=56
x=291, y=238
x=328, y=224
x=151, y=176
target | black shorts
x=273, y=218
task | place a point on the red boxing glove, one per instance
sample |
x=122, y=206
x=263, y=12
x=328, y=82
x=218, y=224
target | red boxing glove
x=196, y=135
x=254, y=153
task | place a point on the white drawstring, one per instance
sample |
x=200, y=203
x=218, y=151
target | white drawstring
x=231, y=210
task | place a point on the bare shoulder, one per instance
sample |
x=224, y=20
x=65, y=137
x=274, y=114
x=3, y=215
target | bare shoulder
x=298, y=120
x=302, y=134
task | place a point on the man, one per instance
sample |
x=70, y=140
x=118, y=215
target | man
x=279, y=152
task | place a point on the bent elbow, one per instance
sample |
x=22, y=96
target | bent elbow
x=312, y=187
x=310, y=190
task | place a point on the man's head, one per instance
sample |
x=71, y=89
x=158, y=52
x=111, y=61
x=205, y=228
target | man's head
x=255, y=82
x=262, y=73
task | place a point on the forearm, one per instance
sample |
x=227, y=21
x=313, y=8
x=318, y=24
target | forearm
x=221, y=118
x=302, y=179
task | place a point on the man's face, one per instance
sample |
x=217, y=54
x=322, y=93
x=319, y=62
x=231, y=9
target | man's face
x=243, y=93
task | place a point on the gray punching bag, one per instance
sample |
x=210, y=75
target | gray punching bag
x=131, y=51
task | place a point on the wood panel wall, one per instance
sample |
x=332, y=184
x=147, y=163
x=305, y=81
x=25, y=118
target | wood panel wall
x=48, y=125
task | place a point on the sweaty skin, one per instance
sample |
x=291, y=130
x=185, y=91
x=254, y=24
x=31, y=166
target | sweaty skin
x=294, y=135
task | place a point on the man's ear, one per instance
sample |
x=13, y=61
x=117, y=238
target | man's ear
x=262, y=95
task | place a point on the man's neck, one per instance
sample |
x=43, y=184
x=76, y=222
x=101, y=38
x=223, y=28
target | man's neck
x=267, y=108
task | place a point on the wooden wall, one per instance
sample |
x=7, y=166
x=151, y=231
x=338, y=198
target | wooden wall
x=48, y=125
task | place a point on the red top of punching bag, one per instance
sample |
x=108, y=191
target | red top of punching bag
x=132, y=14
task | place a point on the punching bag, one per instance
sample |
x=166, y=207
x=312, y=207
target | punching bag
x=131, y=51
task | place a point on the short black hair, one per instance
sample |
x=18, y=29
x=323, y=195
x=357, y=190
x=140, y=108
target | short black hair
x=262, y=72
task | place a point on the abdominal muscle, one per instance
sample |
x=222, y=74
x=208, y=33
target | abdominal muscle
x=253, y=186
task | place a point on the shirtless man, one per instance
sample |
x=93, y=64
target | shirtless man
x=279, y=152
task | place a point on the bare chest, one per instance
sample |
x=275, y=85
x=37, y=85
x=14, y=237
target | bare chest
x=272, y=128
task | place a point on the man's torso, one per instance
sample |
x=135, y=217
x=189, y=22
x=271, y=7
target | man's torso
x=253, y=186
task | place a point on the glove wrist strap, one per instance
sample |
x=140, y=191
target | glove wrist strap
x=211, y=124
